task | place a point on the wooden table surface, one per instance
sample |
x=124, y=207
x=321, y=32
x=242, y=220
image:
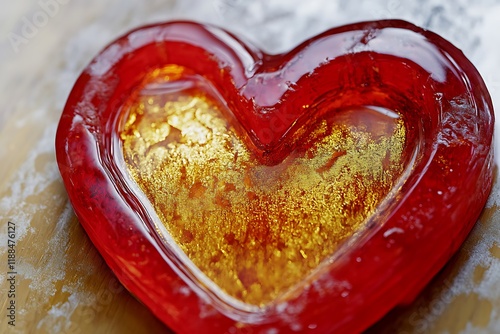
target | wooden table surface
x=62, y=283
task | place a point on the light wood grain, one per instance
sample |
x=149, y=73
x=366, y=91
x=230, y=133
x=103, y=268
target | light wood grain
x=63, y=285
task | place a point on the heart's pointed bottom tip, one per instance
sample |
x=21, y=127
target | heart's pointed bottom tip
x=339, y=176
x=256, y=231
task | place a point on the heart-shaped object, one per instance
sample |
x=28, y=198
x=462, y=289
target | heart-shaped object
x=235, y=191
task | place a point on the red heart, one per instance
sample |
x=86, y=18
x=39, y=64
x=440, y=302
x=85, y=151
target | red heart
x=391, y=64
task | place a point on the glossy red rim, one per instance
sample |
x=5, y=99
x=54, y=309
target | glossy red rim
x=433, y=211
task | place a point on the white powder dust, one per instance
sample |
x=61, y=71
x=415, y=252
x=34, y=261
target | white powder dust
x=275, y=25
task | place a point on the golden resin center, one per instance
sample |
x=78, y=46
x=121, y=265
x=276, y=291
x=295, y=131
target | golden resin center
x=256, y=231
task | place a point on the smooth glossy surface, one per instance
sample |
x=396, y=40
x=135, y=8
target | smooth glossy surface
x=275, y=102
x=254, y=230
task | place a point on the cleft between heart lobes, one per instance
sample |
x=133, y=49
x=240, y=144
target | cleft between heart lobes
x=256, y=231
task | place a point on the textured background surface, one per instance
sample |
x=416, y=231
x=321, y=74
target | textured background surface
x=63, y=284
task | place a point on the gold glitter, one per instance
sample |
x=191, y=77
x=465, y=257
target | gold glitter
x=255, y=230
